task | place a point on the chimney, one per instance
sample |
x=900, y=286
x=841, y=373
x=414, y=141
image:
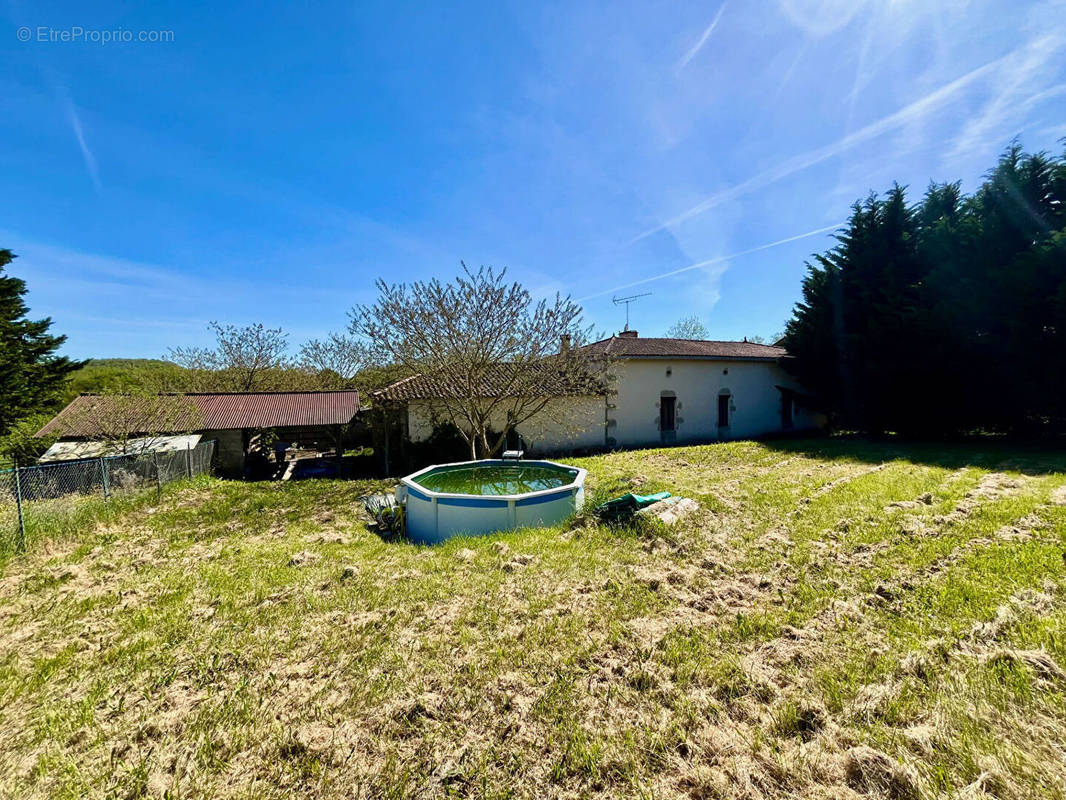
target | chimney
x=627, y=334
x=564, y=344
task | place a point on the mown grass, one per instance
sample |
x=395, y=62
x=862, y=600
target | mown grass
x=258, y=640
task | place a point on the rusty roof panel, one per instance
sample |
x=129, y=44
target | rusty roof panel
x=213, y=412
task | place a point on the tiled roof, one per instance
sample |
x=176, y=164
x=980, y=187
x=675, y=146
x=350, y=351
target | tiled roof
x=419, y=387
x=635, y=347
x=213, y=411
x=497, y=383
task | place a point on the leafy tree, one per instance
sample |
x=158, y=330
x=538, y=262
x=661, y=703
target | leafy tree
x=688, y=328
x=495, y=357
x=125, y=376
x=1016, y=266
x=946, y=316
x=32, y=376
x=21, y=444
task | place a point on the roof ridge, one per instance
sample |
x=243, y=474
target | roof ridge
x=708, y=341
x=227, y=410
x=220, y=394
x=388, y=386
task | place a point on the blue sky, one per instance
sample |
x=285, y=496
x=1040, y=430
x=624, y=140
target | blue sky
x=269, y=163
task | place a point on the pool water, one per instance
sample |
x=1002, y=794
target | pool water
x=495, y=479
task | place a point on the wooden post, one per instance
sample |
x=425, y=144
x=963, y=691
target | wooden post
x=188, y=460
x=20, y=545
x=158, y=477
x=337, y=432
x=103, y=479
x=385, y=415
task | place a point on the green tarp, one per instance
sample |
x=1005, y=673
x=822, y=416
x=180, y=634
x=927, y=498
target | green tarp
x=628, y=504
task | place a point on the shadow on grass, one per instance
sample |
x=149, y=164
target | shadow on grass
x=985, y=452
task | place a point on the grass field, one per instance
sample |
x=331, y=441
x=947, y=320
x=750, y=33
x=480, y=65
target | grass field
x=841, y=619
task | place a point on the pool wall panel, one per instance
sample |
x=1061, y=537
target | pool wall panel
x=434, y=517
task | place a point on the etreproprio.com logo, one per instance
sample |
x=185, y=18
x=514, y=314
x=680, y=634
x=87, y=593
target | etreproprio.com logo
x=77, y=34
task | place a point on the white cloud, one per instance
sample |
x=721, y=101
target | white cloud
x=1014, y=91
x=61, y=263
x=1055, y=132
x=820, y=17
x=103, y=278
x=705, y=290
x=122, y=322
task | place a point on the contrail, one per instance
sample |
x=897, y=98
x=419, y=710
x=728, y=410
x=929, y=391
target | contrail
x=703, y=40
x=86, y=153
x=710, y=261
x=930, y=102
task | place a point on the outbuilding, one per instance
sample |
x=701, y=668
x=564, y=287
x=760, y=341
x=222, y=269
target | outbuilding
x=237, y=421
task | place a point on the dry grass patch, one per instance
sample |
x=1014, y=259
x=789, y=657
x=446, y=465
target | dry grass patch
x=844, y=620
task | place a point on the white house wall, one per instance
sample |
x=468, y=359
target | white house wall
x=755, y=400
x=631, y=415
x=573, y=423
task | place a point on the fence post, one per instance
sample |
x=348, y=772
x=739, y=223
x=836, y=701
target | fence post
x=188, y=460
x=158, y=477
x=20, y=545
x=103, y=479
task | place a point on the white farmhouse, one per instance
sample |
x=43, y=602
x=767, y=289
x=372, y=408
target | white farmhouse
x=663, y=391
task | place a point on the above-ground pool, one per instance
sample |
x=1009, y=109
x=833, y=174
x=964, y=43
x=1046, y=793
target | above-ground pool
x=477, y=497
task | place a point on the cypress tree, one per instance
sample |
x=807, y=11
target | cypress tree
x=946, y=317
x=32, y=376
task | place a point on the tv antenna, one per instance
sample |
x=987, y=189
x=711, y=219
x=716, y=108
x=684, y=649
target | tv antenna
x=627, y=300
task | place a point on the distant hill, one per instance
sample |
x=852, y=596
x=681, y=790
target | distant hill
x=102, y=375
x=129, y=362
x=135, y=375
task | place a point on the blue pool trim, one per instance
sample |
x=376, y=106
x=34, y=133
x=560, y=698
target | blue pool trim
x=488, y=502
x=547, y=498
x=471, y=502
x=418, y=494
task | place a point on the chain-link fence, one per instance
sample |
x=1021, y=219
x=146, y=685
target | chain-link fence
x=33, y=498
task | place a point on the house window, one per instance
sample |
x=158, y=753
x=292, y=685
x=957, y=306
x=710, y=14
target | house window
x=667, y=414
x=786, y=410
x=723, y=410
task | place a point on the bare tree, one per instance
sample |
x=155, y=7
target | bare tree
x=688, y=328
x=242, y=356
x=492, y=357
x=336, y=360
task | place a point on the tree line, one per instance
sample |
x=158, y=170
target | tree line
x=943, y=316
x=457, y=334
x=36, y=381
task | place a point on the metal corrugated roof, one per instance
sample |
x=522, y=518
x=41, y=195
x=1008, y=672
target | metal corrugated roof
x=276, y=409
x=213, y=412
